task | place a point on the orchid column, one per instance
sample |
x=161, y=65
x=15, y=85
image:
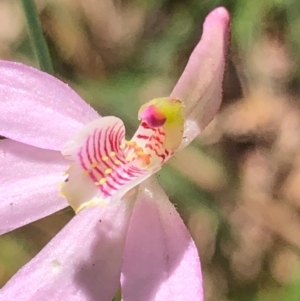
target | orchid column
x=123, y=235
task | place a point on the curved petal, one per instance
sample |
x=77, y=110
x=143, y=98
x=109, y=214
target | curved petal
x=104, y=166
x=37, y=108
x=161, y=261
x=81, y=263
x=200, y=85
x=29, y=184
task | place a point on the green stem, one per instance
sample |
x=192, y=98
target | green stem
x=36, y=35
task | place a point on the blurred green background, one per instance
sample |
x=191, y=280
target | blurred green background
x=237, y=186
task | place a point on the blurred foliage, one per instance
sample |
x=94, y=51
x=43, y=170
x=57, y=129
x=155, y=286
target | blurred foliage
x=237, y=186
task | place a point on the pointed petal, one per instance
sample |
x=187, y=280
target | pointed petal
x=29, y=184
x=37, y=108
x=161, y=261
x=81, y=263
x=200, y=85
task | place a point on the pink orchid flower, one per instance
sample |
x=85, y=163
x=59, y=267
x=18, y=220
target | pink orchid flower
x=138, y=242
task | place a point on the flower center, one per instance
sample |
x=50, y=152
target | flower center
x=106, y=166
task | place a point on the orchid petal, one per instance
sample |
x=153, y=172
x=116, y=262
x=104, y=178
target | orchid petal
x=161, y=261
x=81, y=263
x=200, y=85
x=105, y=166
x=37, y=108
x=29, y=184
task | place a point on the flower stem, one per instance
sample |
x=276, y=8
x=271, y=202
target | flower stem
x=36, y=35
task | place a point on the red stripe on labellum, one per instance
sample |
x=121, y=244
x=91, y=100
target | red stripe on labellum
x=145, y=125
x=157, y=139
x=87, y=151
x=143, y=137
x=122, y=177
x=161, y=132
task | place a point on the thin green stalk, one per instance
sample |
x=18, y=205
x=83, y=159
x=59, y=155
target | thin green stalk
x=36, y=35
